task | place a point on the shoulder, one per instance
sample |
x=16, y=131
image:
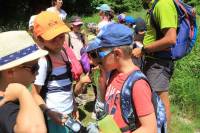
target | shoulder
x=50, y=9
x=165, y=6
x=8, y=116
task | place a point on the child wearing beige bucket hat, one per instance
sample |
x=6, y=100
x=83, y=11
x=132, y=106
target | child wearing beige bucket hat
x=18, y=67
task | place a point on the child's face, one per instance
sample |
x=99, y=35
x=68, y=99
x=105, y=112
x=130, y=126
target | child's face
x=77, y=28
x=25, y=73
x=94, y=60
x=59, y=3
x=107, y=59
x=55, y=44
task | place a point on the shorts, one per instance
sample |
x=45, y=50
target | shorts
x=159, y=73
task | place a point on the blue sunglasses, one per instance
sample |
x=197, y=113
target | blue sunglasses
x=102, y=54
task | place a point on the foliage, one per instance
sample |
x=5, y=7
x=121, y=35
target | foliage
x=185, y=85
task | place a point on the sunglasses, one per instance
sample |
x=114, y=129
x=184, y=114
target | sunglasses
x=103, y=54
x=93, y=54
x=33, y=68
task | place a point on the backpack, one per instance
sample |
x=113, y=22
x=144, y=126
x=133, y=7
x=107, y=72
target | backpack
x=85, y=61
x=76, y=68
x=50, y=77
x=186, y=31
x=84, y=56
x=128, y=108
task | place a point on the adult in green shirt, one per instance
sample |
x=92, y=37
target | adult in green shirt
x=159, y=70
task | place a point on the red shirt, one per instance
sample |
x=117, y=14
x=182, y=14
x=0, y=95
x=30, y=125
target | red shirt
x=141, y=95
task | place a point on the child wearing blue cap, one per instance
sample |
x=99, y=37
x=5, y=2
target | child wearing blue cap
x=114, y=53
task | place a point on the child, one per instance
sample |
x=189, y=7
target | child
x=115, y=54
x=54, y=86
x=18, y=68
x=75, y=38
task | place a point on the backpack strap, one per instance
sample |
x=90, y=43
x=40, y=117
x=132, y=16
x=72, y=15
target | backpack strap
x=126, y=102
x=43, y=91
x=68, y=64
x=153, y=22
x=69, y=41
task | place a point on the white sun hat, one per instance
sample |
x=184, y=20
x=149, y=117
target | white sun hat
x=16, y=48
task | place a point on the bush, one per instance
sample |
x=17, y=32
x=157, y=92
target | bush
x=185, y=83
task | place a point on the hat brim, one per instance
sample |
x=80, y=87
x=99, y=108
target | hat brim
x=77, y=23
x=52, y=33
x=31, y=57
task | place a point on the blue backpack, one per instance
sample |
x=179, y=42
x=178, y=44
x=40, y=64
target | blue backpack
x=128, y=108
x=186, y=31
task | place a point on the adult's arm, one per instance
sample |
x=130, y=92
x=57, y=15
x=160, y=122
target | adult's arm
x=159, y=45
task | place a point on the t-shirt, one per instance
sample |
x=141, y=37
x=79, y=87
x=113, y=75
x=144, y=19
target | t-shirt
x=165, y=15
x=77, y=43
x=59, y=95
x=62, y=13
x=141, y=96
x=8, y=115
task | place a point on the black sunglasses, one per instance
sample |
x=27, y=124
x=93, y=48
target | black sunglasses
x=93, y=54
x=33, y=68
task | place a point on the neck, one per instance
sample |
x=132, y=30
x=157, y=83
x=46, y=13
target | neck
x=57, y=7
x=126, y=66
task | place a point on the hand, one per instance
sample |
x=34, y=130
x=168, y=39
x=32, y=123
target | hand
x=57, y=117
x=75, y=114
x=137, y=52
x=12, y=92
x=85, y=79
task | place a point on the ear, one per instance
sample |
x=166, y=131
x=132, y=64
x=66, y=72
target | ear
x=118, y=53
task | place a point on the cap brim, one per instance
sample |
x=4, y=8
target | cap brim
x=77, y=23
x=31, y=57
x=98, y=8
x=52, y=33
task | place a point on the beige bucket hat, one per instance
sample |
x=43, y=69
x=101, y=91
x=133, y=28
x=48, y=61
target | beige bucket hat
x=16, y=48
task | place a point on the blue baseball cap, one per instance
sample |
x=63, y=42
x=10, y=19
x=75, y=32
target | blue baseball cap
x=104, y=7
x=94, y=44
x=129, y=20
x=116, y=35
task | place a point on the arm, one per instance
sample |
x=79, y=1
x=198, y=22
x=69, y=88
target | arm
x=148, y=124
x=165, y=42
x=144, y=108
x=29, y=118
x=79, y=85
x=55, y=116
x=159, y=45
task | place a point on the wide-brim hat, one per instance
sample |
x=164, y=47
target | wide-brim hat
x=76, y=20
x=20, y=49
x=48, y=25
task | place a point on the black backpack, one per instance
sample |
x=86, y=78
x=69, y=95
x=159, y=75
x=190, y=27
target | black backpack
x=50, y=77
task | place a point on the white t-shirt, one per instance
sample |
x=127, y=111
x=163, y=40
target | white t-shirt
x=56, y=99
x=62, y=13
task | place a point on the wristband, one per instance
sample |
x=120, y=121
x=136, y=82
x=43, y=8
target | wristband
x=46, y=110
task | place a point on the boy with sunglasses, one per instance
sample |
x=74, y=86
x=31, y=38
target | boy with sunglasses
x=18, y=68
x=114, y=53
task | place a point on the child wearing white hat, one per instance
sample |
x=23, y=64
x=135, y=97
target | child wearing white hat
x=18, y=68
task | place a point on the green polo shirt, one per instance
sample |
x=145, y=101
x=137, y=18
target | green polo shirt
x=165, y=15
